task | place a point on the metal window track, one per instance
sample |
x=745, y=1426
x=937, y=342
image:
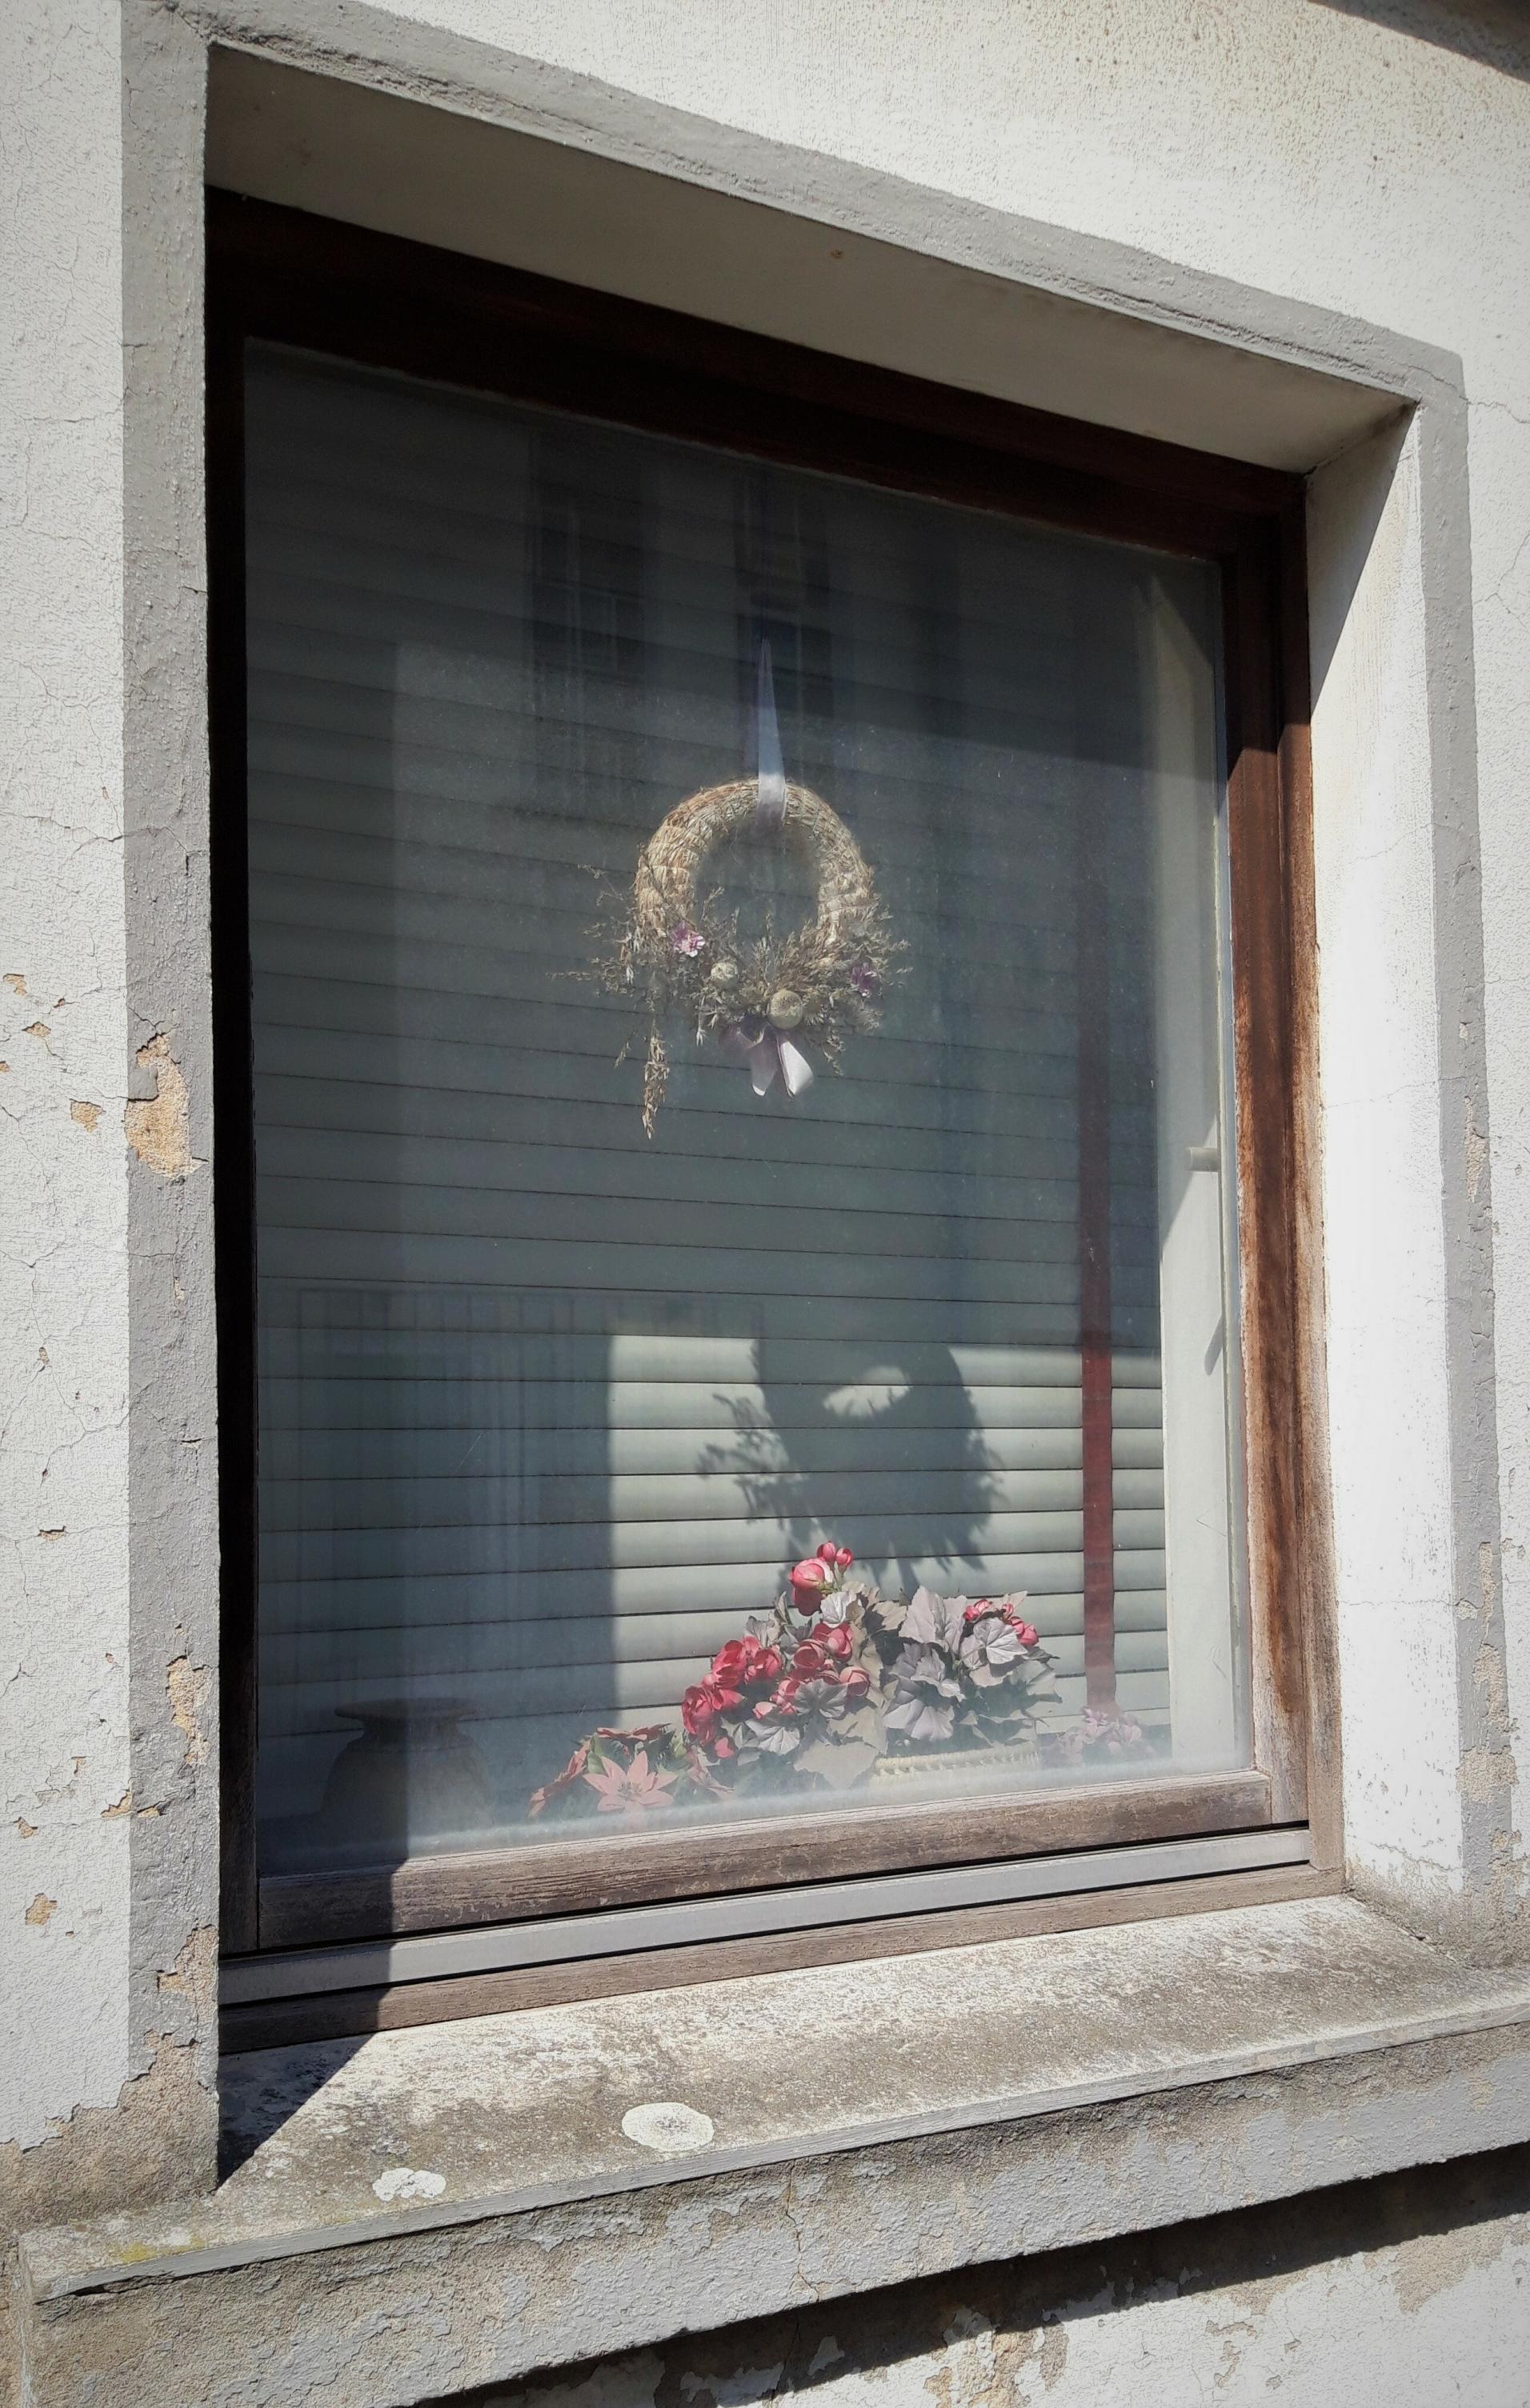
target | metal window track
x=302, y=1973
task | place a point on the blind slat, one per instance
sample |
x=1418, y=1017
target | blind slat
x=412, y=1449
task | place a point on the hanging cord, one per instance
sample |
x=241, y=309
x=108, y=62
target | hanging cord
x=770, y=770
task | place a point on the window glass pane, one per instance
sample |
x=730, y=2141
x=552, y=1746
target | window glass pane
x=550, y=1407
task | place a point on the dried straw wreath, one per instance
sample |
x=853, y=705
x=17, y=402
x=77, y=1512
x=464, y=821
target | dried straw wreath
x=763, y=998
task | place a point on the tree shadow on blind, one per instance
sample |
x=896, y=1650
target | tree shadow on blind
x=895, y=1407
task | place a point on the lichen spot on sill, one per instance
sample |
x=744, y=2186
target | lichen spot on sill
x=665, y=2124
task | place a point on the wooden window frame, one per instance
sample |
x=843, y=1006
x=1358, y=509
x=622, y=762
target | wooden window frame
x=279, y=275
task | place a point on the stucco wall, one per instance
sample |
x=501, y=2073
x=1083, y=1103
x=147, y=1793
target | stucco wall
x=1294, y=178
x=64, y=1323
x=1411, y=2291
x=108, y=1841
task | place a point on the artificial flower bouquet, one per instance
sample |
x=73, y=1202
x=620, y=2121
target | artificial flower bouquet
x=1099, y=1738
x=817, y=1692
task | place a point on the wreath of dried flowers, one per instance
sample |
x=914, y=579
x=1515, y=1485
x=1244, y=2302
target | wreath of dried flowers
x=817, y=1693
x=762, y=1000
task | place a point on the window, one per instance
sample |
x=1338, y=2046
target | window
x=738, y=997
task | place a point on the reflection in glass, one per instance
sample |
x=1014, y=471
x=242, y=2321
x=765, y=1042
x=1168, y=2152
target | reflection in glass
x=550, y=1408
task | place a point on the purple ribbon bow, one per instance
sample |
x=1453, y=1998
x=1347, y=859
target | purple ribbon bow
x=767, y=1055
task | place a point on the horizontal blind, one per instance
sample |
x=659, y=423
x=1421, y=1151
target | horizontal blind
x=544, y=1407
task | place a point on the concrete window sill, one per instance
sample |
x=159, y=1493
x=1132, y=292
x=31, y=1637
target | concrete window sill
x=432, y=2209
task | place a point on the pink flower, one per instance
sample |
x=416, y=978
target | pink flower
x=829, y=1553
x=809, y=1579
x=856, y=1683
x=844, y=1558
x=837, y=1636
x=1112, y=1731
x=686, y=940
x=810, y=1660
x=619, y=1787
x=785, y=1700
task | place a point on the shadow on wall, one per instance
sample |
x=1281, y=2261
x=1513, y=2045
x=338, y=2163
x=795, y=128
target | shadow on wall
x=1287, y=2300
x=1369, y=470
x=1496, y=32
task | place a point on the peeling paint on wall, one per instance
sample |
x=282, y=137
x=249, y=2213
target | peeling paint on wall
x=188, y=1686
x=158, y=1130
x=1410, y=2289
x=1259, y=209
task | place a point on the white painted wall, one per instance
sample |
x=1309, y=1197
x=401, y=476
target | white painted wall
x=1427, y=2321
x=108, y=1597
x=1317, y=162
x=63, y=1316
x=1386, y=1241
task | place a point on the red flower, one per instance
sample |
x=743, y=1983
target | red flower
x=722, y=1692
x=542, y=1798
x=699, y=1712
x=809, y=1579
x=785, y=1700
x=837, y=1636
x=743, y=1664
x=829, y=1553
x=855, y=1683
x=844, y=1558
x=810, y=1660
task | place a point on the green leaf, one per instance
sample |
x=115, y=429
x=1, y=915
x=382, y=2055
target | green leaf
x=864, y=1724
x=884, y=1619
x=839, y=1762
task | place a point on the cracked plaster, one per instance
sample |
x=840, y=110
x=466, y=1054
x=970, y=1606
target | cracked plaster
x=1406, y=2290
x=104, y=2092
x=1233, y=157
